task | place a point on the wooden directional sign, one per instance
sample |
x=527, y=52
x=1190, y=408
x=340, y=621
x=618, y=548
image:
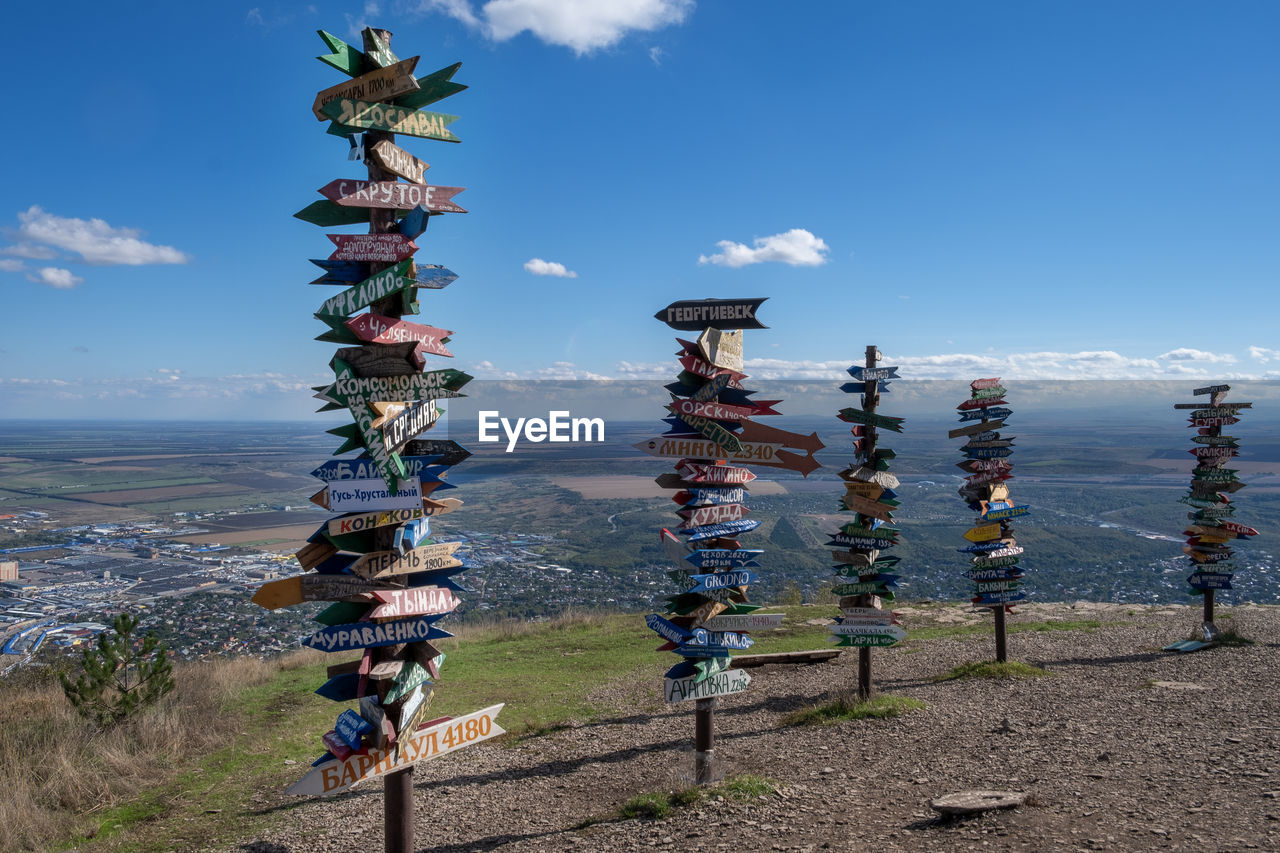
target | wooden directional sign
x=752, y=453
x=347, y=388
x=722, y=348
x=345, y=273
x=342, y=56
x=295, y=590
x=723, y=558
x=858, y=416
x=696, y=314
x=722, y=683
x=744, y=622
x=1210, y=389
x=365, y=468
x=394, y=159
x=869, y=630
x=436, y=86
x=710, y=497
x=1213, y=422
x=712, y=430
x=428, y=558
x=862, y=505
x=752, y=431
x=1210, y=580
x=721, y=411
x=332, y=777
x=996, y=412
x=377, y=329
x=1237, y=528
x=975, y=429
x=364, y=635
x=326, y=214
x=383, y=248
x=372, y=494
x=866, y=374
x=409, y=423
x=415, y=601
x=714, y=514
x=863, y=640
x=376, y=287
x=1008, y=512
x=705, y=369
x=716, y=531
x=391, y=195
x=380, y=84
x=983, y=384
x=349, y=114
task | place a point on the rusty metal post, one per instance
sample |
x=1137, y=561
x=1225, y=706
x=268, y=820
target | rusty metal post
x=704, y=736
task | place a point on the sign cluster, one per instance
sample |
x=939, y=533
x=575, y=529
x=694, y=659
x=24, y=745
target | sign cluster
x=711, y=429
x=994, y=552
x=390, y=581
x=864, y=573
x=1212, y=525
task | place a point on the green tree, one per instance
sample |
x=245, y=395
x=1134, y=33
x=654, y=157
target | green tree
x=120, y=674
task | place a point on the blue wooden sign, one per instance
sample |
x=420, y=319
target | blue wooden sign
x=365, y=468
x=995, y=599
x=724, y=558
x=987, y=452
x=350, y=727
x=990, y=413
x=724, y=528
x=728, y=639
x=865, y=374
x=690, y=651
x=701, y=669
x=1007, y=511
x=433, y=276
x=1210, y=580
x=341, y=272
x=722, y=580
x=367, y=635
x=882, y=387
x=341, y=688
x=414, y=222
x=863, y=588
x=666, y=629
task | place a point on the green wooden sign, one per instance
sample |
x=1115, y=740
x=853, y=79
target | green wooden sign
x=344, y=57
x=710, y=429
x=376, y=287
x=858, y=416
x=350, y=114
x=381, y=54
x=326, y=214
x=434, y=87
x=431, y=385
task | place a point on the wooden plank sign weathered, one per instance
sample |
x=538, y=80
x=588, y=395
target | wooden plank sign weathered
x=380, y=84
x=373, y=494
x=366, y=635
x=428, y=558
x=426, y=743
x=391, y=195
x=382, y=248
x=394, y=159
x=350, y=114
x=723, y=683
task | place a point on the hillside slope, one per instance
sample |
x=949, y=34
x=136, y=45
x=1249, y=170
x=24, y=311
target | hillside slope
x=1122, y=747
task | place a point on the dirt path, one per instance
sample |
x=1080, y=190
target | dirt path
x=1125, y=747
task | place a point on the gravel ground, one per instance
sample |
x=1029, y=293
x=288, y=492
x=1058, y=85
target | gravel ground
x=1124, y=747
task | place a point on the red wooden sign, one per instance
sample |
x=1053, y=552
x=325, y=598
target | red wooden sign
x=383, y=248
x=699, y=367
x=696, y=472
x=391, y=195
x=979, y=404
x=980, y=384
x=723, y=411
x=713, y=514
x=377, y=329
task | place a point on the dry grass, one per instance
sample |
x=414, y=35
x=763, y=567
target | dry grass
x=59, y=770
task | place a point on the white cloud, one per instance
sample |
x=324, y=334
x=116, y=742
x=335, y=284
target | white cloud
x=797, y=248
x=55, y=277
x=1188, y=354
x=11, y=265
x=1263, y=354
x=30, y=251
x=655, y=55
x=582, y=26
x=538, y=266
x=254, y=16
x=94, y=240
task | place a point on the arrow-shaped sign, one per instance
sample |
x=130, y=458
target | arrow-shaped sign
x=428, y=558
x=377, y=329
x=380, y=84
x=752, y=431
x=858, y=416
x=349, y=114
x=340, y=272
x=383, y=248
x=692, y=315
x=391, y=195
x=866, y=374
x=376, y=287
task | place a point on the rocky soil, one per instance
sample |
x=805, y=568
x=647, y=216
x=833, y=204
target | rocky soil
x=1123, y=747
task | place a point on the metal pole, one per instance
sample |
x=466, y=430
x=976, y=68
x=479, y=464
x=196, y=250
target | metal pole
x=704, y=736
x=1208, y=607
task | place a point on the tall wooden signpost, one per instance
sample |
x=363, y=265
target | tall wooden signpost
x=712, y=437
x=864, y=574
x=377, y=561
x=1213, y=524
x=993, y=551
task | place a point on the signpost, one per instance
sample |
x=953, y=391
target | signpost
x=708, y=620
x=378, y=559
x=994, y=555
x=1211, y=528
x=860, y=581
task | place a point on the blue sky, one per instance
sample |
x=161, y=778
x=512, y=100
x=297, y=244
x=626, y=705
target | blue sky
x=1021, y=189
